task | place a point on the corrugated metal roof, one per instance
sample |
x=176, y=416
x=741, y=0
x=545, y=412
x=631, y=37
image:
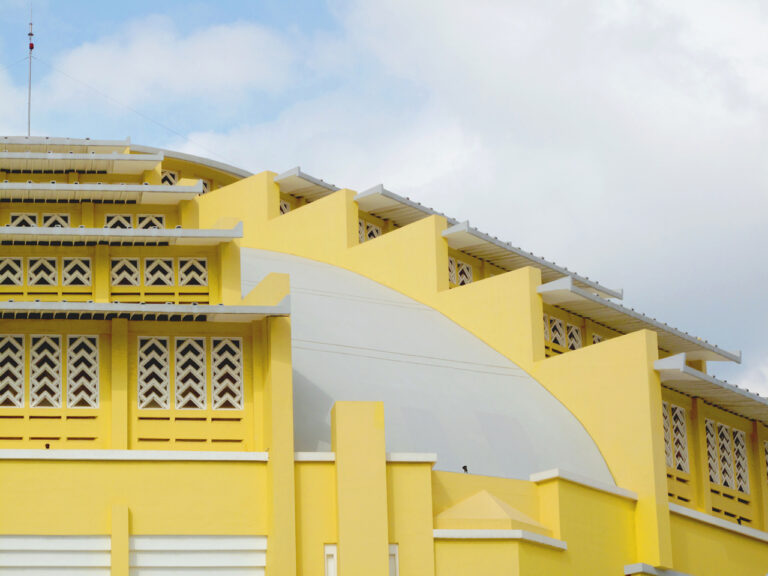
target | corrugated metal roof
x=38, y=236
x=565, y=294
x=132, y=311
x=114, y=163
x=475, y=243
x=677, y=375
x=100, y=193
x=387, y=205
x=301, y=185
x=52, y=144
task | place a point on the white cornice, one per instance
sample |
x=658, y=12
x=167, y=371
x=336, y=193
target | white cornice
x=522, y=535
x=134, y=455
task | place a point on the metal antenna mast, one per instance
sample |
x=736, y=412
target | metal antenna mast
x=29, y=86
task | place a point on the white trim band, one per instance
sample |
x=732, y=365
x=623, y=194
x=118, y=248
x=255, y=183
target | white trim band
x=648, y=570
x=718, y=522
x=524, y=535
x=418, y=457
x=314, y=457
x=134, y=455
x=556, y=473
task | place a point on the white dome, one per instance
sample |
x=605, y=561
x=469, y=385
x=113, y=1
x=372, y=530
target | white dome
x=443, y=389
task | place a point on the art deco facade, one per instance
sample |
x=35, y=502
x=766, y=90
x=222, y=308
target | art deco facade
x=204, y=371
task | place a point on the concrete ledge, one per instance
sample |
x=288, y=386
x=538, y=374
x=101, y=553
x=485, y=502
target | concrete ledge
x=582, y=481
x=314, y=456
x=424, y=457
x=648, y=570
x=134, y=455
x=718, y=522
x=524, y=535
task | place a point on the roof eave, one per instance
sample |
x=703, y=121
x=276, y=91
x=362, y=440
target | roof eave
x=563, y=291
x=463, y=229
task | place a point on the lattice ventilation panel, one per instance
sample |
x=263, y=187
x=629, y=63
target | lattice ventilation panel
x=227, y=373
x=42, y=272
x=150, y=221
x=190, y=384
x=728, y=466
x=125, y=272
x=11, y=271
x=83, y=371
x=56, y=220
x=46, y=380
x=191, y=393
x=153, y=386
x=459, y=272
x=169, y=177
x=11, y=371
x=120, y=221
x=676, y=453
x=193, y=272
x=24, y=219
x=573, y=336
x=158, y=272
x=76, y=271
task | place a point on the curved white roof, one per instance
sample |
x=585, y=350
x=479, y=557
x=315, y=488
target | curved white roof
x=444, y=390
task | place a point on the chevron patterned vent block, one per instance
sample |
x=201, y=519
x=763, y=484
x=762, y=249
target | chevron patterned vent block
x=24, y=220
x=42, y=272
x=56, y=220
x=193, y=272
x=125, y=272
x=153, y=375
x=45, y=371
x=11, y=272
x=12, y=371
x=76, y=271
x=150, y=221
x=120, y=221
x=227, y=373
x=190, y=376
x=83, y=371
x=158, y=271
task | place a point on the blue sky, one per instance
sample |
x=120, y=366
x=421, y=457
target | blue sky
x=625, y=140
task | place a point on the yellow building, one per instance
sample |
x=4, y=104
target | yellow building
x=204, y=371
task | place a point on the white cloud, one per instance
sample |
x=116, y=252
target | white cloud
x=626, y=140
x=150, y=61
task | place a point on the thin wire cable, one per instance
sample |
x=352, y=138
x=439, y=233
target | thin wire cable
x=131, y=109
x=9, y=66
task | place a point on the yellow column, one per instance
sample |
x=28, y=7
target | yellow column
x=101, y=274
x=119, y=384
x=120, y=540
x=278, y=441
x=357, y=437
x=86, y=218
x=700, y=462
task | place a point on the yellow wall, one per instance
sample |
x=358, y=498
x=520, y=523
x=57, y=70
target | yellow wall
x=66, y=497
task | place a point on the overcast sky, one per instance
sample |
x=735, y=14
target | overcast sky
x=626, y=140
